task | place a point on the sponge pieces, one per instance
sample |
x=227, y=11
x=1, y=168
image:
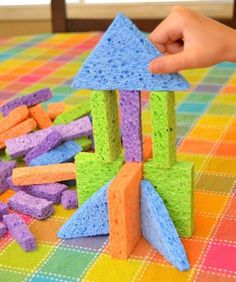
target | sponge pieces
x=158, y=228
x=90, y=219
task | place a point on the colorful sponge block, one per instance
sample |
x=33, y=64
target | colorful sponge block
x=42, y=118
x=147, y=147
x=124, y=210
x=27, y=100
x=30, y=205
x=106, y=130
x=56, y=109
x=3, y=209
x=5, y=171
x=43, y=174
x=131, y=125
x=20, y=129
x=52, y=140
x=120, y=61
x=61, y=154
x=175, y=186
x=84, y=142
x=91, y=219
x=158, y=228
x=91, y=174
x=20, y=232
x=16, y=116
x=164, y=128
x=74, y=113
x=3, y=230
x=69, y=199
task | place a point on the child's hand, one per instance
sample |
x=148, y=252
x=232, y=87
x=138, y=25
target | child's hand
x=189, y=40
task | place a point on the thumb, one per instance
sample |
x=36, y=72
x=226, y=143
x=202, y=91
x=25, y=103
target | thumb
x=171, y=63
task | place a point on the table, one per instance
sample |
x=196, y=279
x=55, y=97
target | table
x=206, y=128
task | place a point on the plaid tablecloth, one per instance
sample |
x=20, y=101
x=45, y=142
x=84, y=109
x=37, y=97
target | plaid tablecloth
x=206, y=127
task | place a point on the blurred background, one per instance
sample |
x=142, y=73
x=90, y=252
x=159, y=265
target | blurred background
x=22, y=17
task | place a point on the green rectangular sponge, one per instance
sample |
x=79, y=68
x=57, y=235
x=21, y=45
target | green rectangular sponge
x=106, y=129
x=73, y=113
x=84, y=142
x=92, y=174
x=163, y=128
x=175, y=186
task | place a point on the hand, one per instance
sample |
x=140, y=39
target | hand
x=189, y=40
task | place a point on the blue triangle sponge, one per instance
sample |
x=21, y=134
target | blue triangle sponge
x=90, y=219
x=158, y=228
x=120, y=62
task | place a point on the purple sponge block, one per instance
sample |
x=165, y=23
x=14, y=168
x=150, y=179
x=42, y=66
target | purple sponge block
x=30, y=205
x=69, y=199
x=5, y=171
x=3, y=209
x=20, y=231
x=52, y=140
x=14, y=187
x=131, y=125
x=27, y=100
x=3, y=230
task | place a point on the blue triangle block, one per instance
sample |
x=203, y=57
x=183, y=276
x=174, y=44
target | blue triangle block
x=90, y=219
x=120, y=62
x=158, y=228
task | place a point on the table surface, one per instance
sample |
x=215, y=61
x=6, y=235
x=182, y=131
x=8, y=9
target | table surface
x=206, y=128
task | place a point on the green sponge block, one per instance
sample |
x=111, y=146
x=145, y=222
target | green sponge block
x=164, y=128
x=106, y=130
x=91, y=174
x=175, y=186
x=73, y=113
x=84, y=142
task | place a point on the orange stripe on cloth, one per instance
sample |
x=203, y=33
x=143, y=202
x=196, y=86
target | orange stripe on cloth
x=14, y=117
x=20, y=129
x=43, y=174
x=42, y=118
x=124, y=210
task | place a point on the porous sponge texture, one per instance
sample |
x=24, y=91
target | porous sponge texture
x=91, y=174
x=175, y=186
x=124, y=210
x=158, y=228
x=120, y=61
x=74, y=113
x=106, y=130
x=84, y=142
x=91, y=219
x=164, y=128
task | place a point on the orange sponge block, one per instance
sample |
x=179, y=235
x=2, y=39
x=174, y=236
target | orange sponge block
x=20, y=129
x=14, y=117
x=43, y=174
x=56, y=109
x=124, y=210
x=147, y=148
x=42, y=118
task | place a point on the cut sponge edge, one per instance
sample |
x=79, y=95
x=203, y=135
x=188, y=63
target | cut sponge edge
x=124, y=210
x=91, y=219
x=175, y=186
x=158, y=228
x=91, y=174
x=42, y=118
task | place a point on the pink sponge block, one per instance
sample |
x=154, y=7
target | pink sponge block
x=3, y=230
x=3, y=209
x=20, y=146
x=52, y=140
x=27, y=100
x=5, y=171
x=30, y=205
x=69, y=199
x=20, y=231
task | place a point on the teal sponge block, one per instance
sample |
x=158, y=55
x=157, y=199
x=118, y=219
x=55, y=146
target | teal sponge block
x=91, y=174
x=120, y=61
x=158, y=228
x=90, y=219
x=74, y=113
x=175, y=186
x=106, y=131
x=163, y=128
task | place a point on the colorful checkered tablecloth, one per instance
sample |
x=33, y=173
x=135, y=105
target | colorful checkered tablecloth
x=206, y=127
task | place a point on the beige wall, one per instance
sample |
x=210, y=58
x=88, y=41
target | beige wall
x=14, y=28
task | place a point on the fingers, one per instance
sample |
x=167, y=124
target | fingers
x=172, y=63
